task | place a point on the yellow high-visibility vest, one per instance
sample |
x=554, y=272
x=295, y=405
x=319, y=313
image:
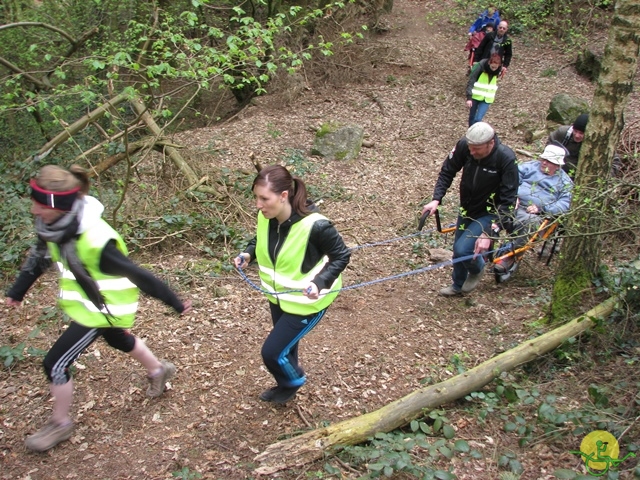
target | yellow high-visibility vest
x=119, y=293
x=286, y=274
x=485, y=89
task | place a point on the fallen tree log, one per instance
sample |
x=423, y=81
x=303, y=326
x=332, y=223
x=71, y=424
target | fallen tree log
x=155, y=142
x=184, y=166
x=311, y=446
x=77, y=126
x=132, y=149
x=141, y=109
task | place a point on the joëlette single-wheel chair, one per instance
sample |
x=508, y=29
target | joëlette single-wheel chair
x=506, y=252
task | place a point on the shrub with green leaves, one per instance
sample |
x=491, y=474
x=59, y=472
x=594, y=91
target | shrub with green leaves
x=622, y=280
x=15, y=215
x=11, y=355
x=424, y=451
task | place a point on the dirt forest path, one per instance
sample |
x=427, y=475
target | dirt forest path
x=376, y=344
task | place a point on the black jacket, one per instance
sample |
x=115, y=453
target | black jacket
x=487, y=185
x=324, y=239
x=112, y=262
x=484, y=49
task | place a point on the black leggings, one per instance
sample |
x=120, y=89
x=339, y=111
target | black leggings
x=75, y=340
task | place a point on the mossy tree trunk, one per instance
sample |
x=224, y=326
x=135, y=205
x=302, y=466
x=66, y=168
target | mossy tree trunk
x=581, y=248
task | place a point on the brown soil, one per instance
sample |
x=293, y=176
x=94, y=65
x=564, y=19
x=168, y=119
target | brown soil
x=376, y=344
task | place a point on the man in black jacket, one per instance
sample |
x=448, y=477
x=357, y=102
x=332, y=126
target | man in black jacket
x=496, y=42
x=488, y=191
x=570, y=137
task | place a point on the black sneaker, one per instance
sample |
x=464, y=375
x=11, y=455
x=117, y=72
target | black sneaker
x=267, y=395
x=278, y=395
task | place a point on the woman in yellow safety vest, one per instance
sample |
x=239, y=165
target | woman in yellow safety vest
x=482, y=87
x=98, y=289
x=300, y=256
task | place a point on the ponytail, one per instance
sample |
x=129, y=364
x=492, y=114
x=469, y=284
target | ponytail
x=278, y=180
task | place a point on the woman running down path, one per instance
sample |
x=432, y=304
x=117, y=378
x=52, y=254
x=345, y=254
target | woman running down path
x=99, y=289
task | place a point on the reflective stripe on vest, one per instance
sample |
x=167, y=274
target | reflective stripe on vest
x=287, y=274
x=120, y=294
x=485, y=89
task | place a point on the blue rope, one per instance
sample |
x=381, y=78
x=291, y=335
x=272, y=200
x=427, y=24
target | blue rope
x=379, y=280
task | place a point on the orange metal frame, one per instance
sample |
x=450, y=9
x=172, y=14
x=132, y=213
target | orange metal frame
x=546, y=229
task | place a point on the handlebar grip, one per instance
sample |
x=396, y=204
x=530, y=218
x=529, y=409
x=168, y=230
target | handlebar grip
x=423, y=219
x=438, y=224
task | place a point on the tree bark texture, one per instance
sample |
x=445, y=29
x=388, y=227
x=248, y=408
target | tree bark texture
x=297, y=451
x=581, y=248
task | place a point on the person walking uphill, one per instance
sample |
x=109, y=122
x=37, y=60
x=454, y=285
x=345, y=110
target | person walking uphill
x=488, y=190
x=298, y=250
x=98, y=289
x=496, y=42
x=571, y=138
x=490, y=15
x=482, y=87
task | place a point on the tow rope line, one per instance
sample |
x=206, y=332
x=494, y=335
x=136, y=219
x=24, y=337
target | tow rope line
x=378, y=280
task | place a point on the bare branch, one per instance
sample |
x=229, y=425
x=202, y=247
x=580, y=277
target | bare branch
x=146, y=44
x=38, y=24
x=18, y=71
x=75, y=45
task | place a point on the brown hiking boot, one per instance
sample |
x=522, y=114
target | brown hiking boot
x=158, y=381
x=472, y=281
x=450, y=291
x=49, y=436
